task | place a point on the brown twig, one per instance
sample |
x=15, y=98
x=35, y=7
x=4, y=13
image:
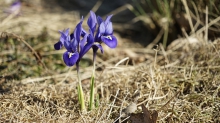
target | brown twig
x=6, y=34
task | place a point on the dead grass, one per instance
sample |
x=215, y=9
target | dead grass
x=185, y=75
x=195, y=76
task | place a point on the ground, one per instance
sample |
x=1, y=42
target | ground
x=180, y=82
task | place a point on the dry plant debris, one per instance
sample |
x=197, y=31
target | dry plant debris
x=54, y=99
x=30, y=93
x=145, y=117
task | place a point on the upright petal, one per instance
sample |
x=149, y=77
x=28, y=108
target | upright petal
x=88, y=45
x=110, y=41
x=64, y=35
x=108, y=19
x=98, y=36
x=102, y=29
x=99, y=19
x=66, y=32
x=67, y=44
x=92, y=21
x=109, y=29
x=90, y=37
x=70, y=58
x=83, y=42
x=73, y=45
x=77, y=31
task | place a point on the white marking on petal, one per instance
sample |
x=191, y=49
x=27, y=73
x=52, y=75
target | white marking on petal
x=70, y=54
x=97, y=43
x=109, y=37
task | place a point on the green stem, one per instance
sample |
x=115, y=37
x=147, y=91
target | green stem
x=165, y=37
x=91, y=103
x=80, y=90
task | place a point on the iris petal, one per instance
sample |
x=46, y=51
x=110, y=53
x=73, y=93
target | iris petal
x=108, y=18
x=66, y=44
x=99, y=20
x=97, y=36
x=86, y=48
x=70, y=58
x=62, y=37
x=83, y=41
x=71, y=36
x=102, y=28
x=92, y=21
x=78, y=30
x=96, y=47
x=110, y=41
x=109, y=29
x=58, y=45
x=83, y=33
x=73, y=46
x=66, y=31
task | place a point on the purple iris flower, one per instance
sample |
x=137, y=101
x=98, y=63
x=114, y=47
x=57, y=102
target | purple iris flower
x=79, y=42
x=71, y=43
x=89, y=40
x=64, y=36
x=75, y=46
x=92, y=22
x=105, y=32
x=86, y=44
x=14, y=8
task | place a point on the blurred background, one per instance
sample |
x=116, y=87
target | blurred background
x=167, y=54
x=137, y=23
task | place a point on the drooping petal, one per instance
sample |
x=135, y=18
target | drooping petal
x=70, y=58
x=110, y=41
x=109, y=29
x=92, y=21
x=58, y=45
